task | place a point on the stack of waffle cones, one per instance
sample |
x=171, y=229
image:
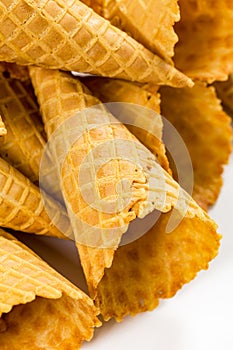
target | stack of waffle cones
x=55, y=91
x=72, y=167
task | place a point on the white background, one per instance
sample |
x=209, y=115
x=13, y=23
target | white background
x=199, y=317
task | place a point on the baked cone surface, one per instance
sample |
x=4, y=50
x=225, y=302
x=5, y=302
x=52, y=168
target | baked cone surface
x=149, y=22
x=156, y=266
x=24, y=143
x=205, y=48
x=71, y=36
x=22, y=206
x=60, y=97
x=225, y=92
x=39, y=308
x=198, y=116
x=146, y=127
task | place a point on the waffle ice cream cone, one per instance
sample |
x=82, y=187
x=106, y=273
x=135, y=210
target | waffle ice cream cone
x=22, y=206
x=149, y=22
x=225, y=92
x=71, y=36
x=147, y=126
x=24, y=143
x=198, y=116
x=156, y=266
x=205, y=48
x=104, y=141
x=39, y=308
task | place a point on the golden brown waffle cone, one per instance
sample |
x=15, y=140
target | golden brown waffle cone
x=23, y=145
x=60, y=97
x=2, y=127
x=225, y=92
x=71, y=36
x=156, y=266
x=205, y=46
x=198, y=116
x=14, y=71
x=51, y=313
x=149, y=22
x=147, y=129
x=22, y=206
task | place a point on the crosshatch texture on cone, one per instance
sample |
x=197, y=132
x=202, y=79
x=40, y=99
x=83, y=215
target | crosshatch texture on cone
x=147, y=126
x=61, y=96
x=39, y=308
x=150, y=22
x=156, y=266
x=198, y=116
x=22, y=206
x=24, y=142
x=71, y=36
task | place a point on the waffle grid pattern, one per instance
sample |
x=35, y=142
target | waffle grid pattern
x=71, y=36
x=25, y=276
x=114, y=90
x=56, y=108
x=55, y=91
x=198, y=117
x=23, y=145
x=22, y=206
x=149, y=22
x=155, y=267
